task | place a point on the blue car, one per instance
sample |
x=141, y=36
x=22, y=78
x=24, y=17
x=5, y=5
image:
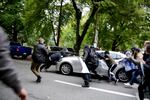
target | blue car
x=17, y=50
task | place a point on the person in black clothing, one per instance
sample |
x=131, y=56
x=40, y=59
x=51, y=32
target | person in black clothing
x=94, y=61
x=86, y=56
x=39, y=56
x=91, y=60
x=52, y=59
x=145, y=83
x=86, y=76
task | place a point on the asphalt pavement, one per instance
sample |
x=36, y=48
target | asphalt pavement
x=55, y=86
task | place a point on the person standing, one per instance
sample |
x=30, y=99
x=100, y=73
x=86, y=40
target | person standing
x=7, y=73
x=39, y=56
x=94, y=61
x=145, y=83
x=85, y=71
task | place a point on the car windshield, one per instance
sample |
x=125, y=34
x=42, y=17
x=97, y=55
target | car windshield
x=116, y=56
x=113, y=54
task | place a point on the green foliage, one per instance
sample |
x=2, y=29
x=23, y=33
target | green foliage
x=36, y=20
x=10, y=16
x=68, y=36
x=121, y=24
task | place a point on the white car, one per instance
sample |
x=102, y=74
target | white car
x=68, y=65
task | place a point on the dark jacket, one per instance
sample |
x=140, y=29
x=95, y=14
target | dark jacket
x=7, y=72
x=147, y=67
x=56, y=56
x=86, y=52
x=40, y=53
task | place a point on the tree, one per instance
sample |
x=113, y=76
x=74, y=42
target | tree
x=120, y=22
x=10, y=17
x=79, y=38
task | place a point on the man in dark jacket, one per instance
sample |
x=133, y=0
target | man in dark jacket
x=7, y=72
x=86, y=76
x=39, y=56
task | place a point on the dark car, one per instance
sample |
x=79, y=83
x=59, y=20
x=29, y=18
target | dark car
x=17, y=50
x=64, y=50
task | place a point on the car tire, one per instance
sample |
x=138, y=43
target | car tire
x=66, y=69
x=122, y=76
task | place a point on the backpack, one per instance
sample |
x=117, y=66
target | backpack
x=93, y=57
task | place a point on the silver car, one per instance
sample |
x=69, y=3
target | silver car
x=68, y=65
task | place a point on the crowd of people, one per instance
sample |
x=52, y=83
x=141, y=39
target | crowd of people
x=137, y=64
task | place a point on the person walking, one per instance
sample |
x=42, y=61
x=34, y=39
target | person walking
x=7, y=73
x=39, y=56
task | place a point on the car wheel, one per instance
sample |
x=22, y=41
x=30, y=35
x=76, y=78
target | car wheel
x=122, y=76
x=66, y=69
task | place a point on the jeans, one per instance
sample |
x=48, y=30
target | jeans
x=135, y=74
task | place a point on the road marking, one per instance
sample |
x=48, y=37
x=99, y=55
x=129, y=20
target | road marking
x=98, y=89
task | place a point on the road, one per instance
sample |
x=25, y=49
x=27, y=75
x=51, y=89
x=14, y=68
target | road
x=55, y=86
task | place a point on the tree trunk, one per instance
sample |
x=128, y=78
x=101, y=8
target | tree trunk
x=115, y=43
x=79, y=38
x=14, y=33
x=86, y=26
x=78, y=18
x=59, y=25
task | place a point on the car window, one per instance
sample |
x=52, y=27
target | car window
x=113, y=55
x=118, y=56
